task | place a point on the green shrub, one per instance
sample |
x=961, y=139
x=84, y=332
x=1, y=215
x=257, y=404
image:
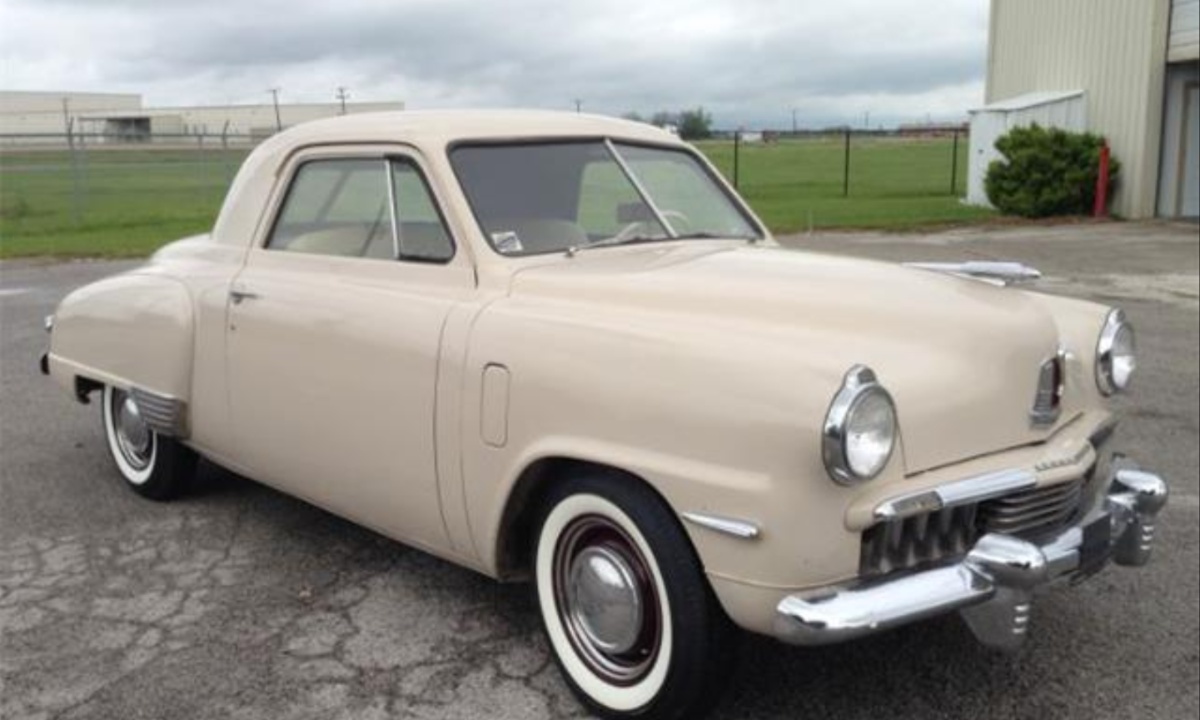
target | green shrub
x=1047, y=171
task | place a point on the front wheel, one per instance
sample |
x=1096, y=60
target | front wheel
x=154, y=466
x=634, y=626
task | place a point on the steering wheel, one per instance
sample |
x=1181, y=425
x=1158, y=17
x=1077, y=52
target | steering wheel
x=630, y=231
x=677, y=219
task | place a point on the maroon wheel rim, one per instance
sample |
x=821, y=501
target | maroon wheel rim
x=607, y=600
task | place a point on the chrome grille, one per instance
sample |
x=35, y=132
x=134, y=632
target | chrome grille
x=949, y=533
x=1034, y=511
x=920, y=540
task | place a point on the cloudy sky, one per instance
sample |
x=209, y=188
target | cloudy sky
x=749, y=62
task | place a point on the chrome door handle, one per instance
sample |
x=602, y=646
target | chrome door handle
x=238, y=295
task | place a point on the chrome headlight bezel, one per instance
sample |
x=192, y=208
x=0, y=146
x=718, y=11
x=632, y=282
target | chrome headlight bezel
x=1111, y=378
x=859, y=385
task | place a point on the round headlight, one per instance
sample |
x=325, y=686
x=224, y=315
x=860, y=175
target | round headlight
x=1116, y=354
x=860, y=429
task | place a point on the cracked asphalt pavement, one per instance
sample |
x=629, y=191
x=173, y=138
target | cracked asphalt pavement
x=240, y=602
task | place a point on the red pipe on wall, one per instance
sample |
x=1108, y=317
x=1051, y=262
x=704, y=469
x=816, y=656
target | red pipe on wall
x=1101, y=208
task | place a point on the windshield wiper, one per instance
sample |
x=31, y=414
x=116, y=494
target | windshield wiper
x=714, y=236
x=642, y=239
x=617, y=240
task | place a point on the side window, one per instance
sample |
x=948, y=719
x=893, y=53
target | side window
x=336, y=207
x=422, y=235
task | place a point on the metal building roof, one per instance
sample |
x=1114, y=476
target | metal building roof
x=1029, y=100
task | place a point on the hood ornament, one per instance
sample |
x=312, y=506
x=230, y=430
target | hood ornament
x=1005, y=273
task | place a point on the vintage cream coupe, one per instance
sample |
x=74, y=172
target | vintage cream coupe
x=561, y=348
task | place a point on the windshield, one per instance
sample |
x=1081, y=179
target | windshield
x=535, y=198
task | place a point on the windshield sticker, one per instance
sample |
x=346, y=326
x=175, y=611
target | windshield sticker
x=507, y=242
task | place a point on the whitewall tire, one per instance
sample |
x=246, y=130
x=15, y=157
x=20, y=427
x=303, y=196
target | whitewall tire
x=628, y=613
x=154, y=466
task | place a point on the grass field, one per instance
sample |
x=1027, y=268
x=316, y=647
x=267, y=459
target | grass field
x=895, y=183
x=129, y=202
x=117, y=203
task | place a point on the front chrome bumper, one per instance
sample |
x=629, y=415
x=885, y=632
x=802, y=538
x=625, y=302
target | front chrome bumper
x=992, y=587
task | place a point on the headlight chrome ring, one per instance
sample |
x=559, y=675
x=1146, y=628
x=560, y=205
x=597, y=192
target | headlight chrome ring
x=860, y=429
x=1116, y=354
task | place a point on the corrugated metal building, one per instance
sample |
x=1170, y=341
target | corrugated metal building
x=1138, y=63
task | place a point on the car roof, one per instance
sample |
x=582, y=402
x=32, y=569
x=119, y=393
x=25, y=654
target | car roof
x=450, y=126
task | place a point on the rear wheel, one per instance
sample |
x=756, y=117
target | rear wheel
x=154, y=466
x=630, y=617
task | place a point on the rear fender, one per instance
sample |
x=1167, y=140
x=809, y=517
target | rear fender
x=132, y=331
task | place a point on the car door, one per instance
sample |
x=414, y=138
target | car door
x=333, y=340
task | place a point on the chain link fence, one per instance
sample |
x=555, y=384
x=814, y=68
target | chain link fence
x=86, y=177
x=848, y=178
x=846, y=161
x=57, y=190
x=105, y=194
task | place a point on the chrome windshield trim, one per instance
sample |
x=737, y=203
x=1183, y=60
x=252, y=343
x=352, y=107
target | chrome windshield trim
x=641, y=189
x=972, y=490
x=741, y=529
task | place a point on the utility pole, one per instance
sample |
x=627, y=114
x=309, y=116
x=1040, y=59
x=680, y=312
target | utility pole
x=275, y=100
x=867, y=120
x=795, y=128
x=578, y=105
x=341, y=96
x=66, y=102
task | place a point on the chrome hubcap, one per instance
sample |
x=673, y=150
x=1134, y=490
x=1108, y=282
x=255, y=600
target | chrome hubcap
x=133, y=435
x=607, y=600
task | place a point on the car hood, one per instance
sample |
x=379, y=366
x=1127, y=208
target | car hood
x=960, y=356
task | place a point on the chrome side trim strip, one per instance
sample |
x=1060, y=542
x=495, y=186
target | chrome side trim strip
x=1005, y=272
x=166, y=415
x=741, y=529
x=971, y=490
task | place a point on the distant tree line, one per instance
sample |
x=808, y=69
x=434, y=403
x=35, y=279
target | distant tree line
x=691, y=124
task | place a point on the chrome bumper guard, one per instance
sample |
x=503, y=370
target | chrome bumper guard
x=992, y=587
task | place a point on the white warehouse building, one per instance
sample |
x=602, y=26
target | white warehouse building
x=1125, y=69
x=123, y=117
